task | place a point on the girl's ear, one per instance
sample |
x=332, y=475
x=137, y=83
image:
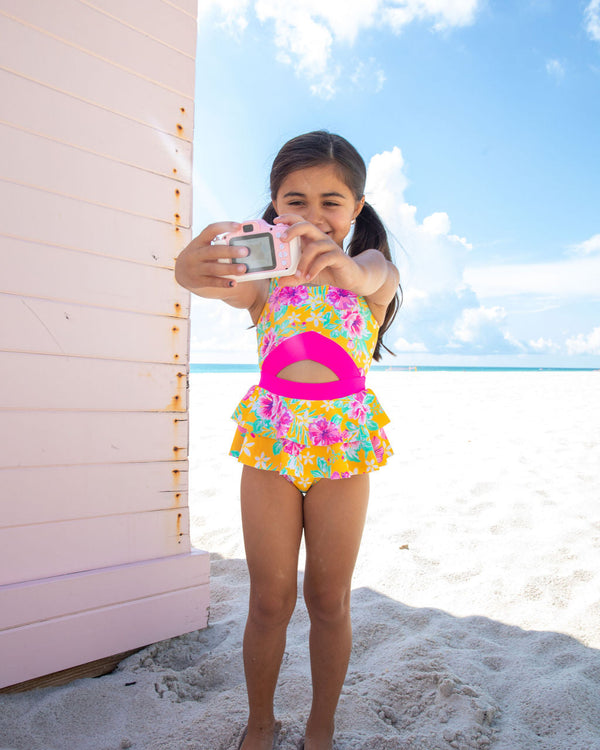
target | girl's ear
x=359, y=207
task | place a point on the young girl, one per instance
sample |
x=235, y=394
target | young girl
x=309, y=433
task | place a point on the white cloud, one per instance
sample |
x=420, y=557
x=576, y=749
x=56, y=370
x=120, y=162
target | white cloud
x=483, y=329
x=233, y=14
x=435, y=257
x=592, y=19
x=543, y=346
x=445, y=306
x=588, y=247
x=562, y=278
x=444, y=13
x=440, y=312
x=368, y=75
x=556, y=70
x=402, y=345
x=583, y=344
x=309, y=35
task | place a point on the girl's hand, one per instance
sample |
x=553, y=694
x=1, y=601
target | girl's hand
x=321, y=256
x=198, y=269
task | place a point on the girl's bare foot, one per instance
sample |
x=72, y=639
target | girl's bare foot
x=318, y=738
x=261, y=738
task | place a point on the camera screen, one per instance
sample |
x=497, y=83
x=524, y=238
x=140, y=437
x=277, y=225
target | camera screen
x=262, y=252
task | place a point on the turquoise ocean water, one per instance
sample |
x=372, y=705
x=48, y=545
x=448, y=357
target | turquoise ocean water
x=201, y=367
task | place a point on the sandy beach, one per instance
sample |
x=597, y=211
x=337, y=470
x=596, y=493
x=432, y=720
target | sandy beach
x=476, y=597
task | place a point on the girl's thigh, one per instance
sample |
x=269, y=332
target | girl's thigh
x=272, y=524
x=334, y=518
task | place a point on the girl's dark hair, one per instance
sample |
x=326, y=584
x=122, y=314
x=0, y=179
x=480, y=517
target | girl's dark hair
x=320, y=147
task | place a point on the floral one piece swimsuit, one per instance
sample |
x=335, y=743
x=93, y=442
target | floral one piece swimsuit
x=312, y=431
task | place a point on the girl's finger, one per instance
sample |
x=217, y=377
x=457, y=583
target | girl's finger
x=317, y=249
x=298, y=227
x=212, y=252
x=322, y=261
x=222, y=269
x=215, y=282
x=212, y=230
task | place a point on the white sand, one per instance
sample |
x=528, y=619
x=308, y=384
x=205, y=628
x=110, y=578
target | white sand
x=476, y=606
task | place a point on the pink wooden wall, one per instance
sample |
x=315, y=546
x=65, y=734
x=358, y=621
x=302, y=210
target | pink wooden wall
x=96, y=121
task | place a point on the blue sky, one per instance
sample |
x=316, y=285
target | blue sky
x=479, y=121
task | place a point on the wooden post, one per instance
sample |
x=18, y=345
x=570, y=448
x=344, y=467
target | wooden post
x=96, y=124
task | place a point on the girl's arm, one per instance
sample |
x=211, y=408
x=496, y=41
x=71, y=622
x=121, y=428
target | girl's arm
x=369, y=274
x=198, y=269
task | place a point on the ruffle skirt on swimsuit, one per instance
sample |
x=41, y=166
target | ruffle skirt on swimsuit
x=310, y=440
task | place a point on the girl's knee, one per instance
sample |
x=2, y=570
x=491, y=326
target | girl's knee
x=328, y=605
x=272, y=608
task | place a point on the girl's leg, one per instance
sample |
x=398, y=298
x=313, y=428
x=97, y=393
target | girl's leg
x=272, y=523
x=334, y=517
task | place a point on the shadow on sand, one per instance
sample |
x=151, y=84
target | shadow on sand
x=419, y=679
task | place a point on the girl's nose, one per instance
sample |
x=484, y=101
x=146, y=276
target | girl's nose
x=313, y=214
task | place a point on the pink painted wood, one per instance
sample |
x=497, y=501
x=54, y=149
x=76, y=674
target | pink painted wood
x=51, y=438
x=92, y=228
x=53, y=327
x=156, y=21
x=57, y=643
x=81, y=124
x=88, y=279
x=90, y=490
x=95, y=170
x=90, y=384
x=91, y=543
x=104, y=37
x=139, y=488
x=65, y=595
x=59, y=168
x=93, y=79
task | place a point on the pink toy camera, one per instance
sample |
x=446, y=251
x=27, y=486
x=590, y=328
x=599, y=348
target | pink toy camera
x=269, y=255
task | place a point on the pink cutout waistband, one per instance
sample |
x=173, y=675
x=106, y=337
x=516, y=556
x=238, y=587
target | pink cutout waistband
x=312, y=346
x=311, y=391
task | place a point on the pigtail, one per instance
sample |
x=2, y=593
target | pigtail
x=270, y=214
x=370, y=232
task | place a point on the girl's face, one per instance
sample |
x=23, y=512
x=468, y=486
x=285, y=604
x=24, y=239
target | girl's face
x=318, y=195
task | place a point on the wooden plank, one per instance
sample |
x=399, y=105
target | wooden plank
x=43, y=648
x=48, y=494
x=33, y=381
x=60, y=596
x=83, y=27
x=70, y=120
x=32, y=160
x=88, y=279
x=159, y=21
x=57, y=493
x=90, y=543
x=66, y=222
x=188, y=6
x=94, y=80
x=48, y=327
x=68, y=438
x=96, y=668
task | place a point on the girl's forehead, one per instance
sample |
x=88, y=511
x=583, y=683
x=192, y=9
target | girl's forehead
x=324, y=178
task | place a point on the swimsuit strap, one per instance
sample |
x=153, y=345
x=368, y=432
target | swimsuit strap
x=318, y=348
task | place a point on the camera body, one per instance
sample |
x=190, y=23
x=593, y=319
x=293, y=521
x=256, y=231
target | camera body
x=269, y=255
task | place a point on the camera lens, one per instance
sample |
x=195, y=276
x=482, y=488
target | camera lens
x=247, y=228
